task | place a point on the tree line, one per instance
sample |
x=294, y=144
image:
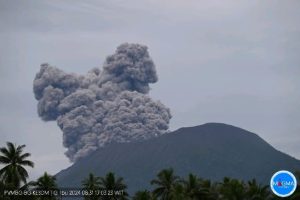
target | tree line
x=166, y=185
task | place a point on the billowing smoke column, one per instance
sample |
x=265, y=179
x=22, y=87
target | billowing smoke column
x=102, y=107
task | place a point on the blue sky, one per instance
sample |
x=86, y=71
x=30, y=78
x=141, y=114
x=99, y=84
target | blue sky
x=217, y=61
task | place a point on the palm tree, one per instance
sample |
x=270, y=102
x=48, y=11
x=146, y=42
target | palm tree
x=115, y=187
x=178, y=192
x=91, y=183
x=2, y=188
x=14, y=173
x=164, y=182
x=46, y=182
x=29, y=186
x=193, y=189
x=257, y=192
x=212, y=188
x=296, y=195
x=232, y=189
x=143, y=195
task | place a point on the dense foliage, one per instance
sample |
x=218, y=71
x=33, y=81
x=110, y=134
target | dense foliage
x=165, y=186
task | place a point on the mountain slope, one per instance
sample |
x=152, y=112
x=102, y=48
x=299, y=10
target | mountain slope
x=211, y=151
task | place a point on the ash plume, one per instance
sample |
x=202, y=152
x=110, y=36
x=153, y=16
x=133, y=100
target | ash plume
x=102, y=107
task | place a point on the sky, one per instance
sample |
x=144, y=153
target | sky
x=235, y=62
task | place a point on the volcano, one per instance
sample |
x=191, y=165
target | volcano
x=211, y=151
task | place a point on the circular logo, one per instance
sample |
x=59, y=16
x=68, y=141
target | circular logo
x=283, y=183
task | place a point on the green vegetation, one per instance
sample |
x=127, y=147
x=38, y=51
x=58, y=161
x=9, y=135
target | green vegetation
x=91, y=183
x=166, y=185
x=45, y=182
x=14, y=173
x=111, y=184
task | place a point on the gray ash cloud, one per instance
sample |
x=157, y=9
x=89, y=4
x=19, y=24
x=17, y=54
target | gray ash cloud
x=102, y=107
